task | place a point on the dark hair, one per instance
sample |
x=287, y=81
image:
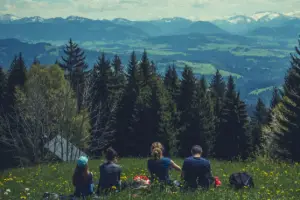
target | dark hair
x=111, y=154
x=196, y=149
x=80, y=176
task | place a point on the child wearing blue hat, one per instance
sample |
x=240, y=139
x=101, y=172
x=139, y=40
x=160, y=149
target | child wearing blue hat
x=82, y=178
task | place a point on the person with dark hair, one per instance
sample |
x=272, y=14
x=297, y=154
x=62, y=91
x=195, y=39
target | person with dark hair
x=159, y=166
x=82, y=178
x=196, y=171
x=110, y=173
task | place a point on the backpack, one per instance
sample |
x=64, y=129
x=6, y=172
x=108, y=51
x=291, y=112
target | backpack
x=240, y=180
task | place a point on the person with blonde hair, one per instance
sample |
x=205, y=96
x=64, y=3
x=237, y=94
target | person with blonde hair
x=157, y=145
x=159, y=166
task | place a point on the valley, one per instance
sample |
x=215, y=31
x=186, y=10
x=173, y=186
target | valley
x=257, y=59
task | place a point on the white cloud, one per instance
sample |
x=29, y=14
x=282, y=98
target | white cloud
x=143, y=9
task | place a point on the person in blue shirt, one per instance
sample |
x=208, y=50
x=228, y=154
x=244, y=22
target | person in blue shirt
x=83, y=179
x=159, y=166
x=110, y=173
x=196, y=170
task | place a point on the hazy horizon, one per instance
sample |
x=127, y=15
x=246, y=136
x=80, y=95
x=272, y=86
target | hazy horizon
x=144, y=9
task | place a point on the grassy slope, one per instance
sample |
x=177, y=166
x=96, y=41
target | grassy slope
x=276, y=181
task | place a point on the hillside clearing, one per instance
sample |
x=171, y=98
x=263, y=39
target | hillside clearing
x=272, y=180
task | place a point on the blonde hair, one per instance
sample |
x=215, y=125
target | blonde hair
x=157, y=145
x=156, y=153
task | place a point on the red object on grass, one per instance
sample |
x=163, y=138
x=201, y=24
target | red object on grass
x=217, y=181
x=143, y=179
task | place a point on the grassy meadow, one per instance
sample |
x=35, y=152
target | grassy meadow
x=273, y=181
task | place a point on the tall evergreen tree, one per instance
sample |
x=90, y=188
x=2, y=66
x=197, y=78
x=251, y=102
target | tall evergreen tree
x=172, y=83
x=101, y=102
x=276, y=98
x=288, y=135
x=259, y=119
x=118, y=76
x=145, y=69
x=186, y=107
x=75, y=66
x=124, y=139
x=2, y=89
x=16, y=77
x=233, y=138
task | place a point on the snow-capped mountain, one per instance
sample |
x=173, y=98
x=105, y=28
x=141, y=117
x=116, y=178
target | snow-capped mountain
x=77, y=18
x=31, y=19
x=240, y=19
x=295, y=14
x=8, y=18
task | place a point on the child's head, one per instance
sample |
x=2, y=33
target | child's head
x=80, y=175
x=157, y=145
x=111, y=155
x=196, y=150
x=157, y=153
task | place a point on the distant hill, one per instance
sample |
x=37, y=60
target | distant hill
x=203, y=27
x=78, y=29
x=290, y=29
x=242, y=24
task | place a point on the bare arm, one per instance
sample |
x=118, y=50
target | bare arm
x=175, y=166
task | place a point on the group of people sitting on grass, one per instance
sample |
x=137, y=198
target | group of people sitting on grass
x=195, y=172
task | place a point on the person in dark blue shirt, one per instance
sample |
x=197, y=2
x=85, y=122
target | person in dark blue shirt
x=196, y=171
x=110, y=173
x=159, y=166
x=83, y=179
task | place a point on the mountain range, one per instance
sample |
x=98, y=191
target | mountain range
x=260, y=23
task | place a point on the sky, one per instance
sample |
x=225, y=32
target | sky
x=144, y=9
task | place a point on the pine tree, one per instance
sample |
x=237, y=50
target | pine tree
x=118, y=76
x=101, y=103
x=146, y=70
x=74, y=65
x=217, y=91
x=186, y=107
x=172, y=83
x=217, y=86
x=233, y=139
x=16, y=77
x=2, y=89
x=288, y=135
x=276, y=98
x=259, y=119
x=124, y=141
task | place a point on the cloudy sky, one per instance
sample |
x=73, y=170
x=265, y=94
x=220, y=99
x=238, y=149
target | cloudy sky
x=144, y=9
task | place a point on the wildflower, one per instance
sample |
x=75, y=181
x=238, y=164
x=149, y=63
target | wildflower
x=5, y=193
x=26, y=189
x=8, y=190
x=114, y=187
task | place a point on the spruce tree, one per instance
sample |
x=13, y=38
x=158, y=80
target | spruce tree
x=16, y=77
x=75, y=66
x=118, y=76
x=288, y=135
x=101, y=102
x=124, y=141
x=233, y=139
x=3, y=82
x=172, y=83
x=276, y=98
x=186, y=107
x=145, y=69
x=259, y=119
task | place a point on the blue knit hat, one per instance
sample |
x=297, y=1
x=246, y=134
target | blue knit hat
x=82, y=161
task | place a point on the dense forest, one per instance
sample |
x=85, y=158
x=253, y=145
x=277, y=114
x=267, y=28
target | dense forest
x=130, y=106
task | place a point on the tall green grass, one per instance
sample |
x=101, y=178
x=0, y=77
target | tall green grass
x=273, y=181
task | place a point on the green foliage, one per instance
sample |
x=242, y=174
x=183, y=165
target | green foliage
x=233, y=139
x=273, y=180
x=288, y=134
